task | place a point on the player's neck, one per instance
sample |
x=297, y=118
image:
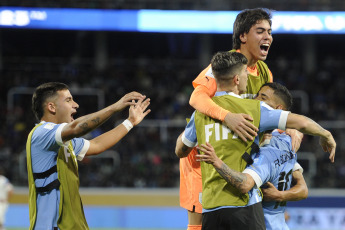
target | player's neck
x=49, y=118
x=228, y=89
x=251, y=60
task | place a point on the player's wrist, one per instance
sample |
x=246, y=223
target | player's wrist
x=128, y=124
x=224, y=114
x=217, y=163
x=280, y=196
x=327, y=134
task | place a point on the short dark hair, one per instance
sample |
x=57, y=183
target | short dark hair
x=225, y=65
x=245, y=20
x=282, y=93
x=42, y=93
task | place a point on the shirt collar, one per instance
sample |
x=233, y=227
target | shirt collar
x=222, y=93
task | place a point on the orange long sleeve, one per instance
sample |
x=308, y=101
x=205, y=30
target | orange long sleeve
x=201, y=101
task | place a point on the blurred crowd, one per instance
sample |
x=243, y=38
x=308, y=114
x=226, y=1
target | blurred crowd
x=161, y=66
x=286, y=5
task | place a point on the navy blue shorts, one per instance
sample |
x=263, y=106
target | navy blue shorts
x=247, y=218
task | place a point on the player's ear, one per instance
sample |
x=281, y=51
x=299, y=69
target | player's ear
x=51, y=107
x=280, y=106
x=236, y=79
x=243, y=38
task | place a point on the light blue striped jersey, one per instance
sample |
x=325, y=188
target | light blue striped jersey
x=45, y=144
x=274, y=163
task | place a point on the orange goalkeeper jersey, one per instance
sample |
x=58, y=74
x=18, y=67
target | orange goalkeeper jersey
x=205, y=87
x=190, y=183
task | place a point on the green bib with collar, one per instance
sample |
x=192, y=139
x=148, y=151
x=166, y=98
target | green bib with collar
x=254, y=83
x=71, y=213
x=229, y=148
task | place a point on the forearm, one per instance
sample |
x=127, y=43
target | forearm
x=306, y=125
x=298, y=191
x=87, y=123
x=201, y=101
x=295, y=193
x=242, y=181
x=107, y=140
x=181, y=150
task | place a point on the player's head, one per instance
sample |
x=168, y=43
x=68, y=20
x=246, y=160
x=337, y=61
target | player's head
x=55, y=99
x=275, y=95
x=252, y=32
x=230, y=68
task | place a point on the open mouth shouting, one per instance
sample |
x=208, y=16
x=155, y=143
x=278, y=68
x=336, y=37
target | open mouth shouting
x=72, y=114
x=264, y=49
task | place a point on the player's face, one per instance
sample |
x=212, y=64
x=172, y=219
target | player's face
x=266, y=94
x=65, y=107
x=243, y=78
x=257, y=41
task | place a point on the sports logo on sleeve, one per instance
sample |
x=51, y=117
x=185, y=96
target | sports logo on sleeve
x=49, y=126
x=209, y=73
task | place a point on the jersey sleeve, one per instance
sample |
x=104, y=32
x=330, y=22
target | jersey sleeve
x=48, y=136
x=206, y=78
x=58, y=136
x=189, y=135
x=205, y=87
x=201, y=101
x=272, y=118
x=260, y=170
x=80, y=147
x=297, y=167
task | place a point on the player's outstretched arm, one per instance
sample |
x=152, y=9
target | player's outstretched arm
x=298, y=191
x=137, y=112
x=182, y=150
x=308, y=126
x=238, y=123
x=87, y=123
x=242, y=181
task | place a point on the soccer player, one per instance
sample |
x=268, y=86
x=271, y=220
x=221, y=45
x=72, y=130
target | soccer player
x=6, y=190
x=274, y=162
x=54, y=146
x=278, y=97
x=219, y=198
x=251, y=37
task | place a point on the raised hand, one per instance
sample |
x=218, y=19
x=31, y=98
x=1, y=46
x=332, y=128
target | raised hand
x=209, y=155
x=127, y=100
x=296, y=138
x=240, y=124
x=137, y=111
x=328, y=145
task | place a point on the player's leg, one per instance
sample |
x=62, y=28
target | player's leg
x=194, y=220
x=3, y=208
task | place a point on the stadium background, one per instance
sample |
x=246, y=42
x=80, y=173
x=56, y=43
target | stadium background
x=140, y=174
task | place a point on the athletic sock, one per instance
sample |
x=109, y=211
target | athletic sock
x=194, y=227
